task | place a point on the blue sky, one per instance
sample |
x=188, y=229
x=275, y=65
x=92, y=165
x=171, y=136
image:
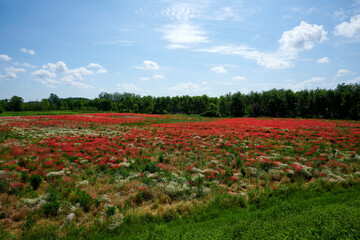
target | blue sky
x=167, y=48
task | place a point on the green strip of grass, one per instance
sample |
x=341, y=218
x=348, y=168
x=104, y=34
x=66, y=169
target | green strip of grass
x=38, y=113
x=320, y=211
x=331, y=215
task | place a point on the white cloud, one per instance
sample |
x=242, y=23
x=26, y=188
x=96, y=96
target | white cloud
x=356, y=80
x=43, y=74
x=277, y=60
x=302, y=37
x=46, y=77
x=159, y=77
x=5, y=57
x=340, y=15
x=68, y=76
x=183, y=12
x=100, y=69
x=149, y=65
x=130, y=88
x=28, y=51
x=183, y=34
x=28, y=65
x=349, y=29
x=68, y=80
x=186, y=88
x=224, y=14
x=145, y=78
x=307, y=83
x=238, y=78
x=79, y=72
x=323, y=60
x=11, y=72
x=343, y=72
x=60, y=66
x=94, y=65
x=219, y=69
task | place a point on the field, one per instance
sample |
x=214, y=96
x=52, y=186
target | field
x=72, y=174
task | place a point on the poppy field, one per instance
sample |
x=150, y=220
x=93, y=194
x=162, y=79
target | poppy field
x=97, y=169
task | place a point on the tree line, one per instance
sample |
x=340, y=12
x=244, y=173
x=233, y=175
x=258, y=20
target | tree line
x=340, y=103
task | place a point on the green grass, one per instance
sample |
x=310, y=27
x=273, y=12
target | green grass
x=300, y=215
x=320, y=211
x=38, y=113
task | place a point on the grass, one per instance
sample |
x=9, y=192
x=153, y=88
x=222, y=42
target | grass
x=300, y=215
x=38, y=113
x=318, y=211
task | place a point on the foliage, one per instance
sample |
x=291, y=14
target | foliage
x=35, y=181
x=340, y=103
x=84, y=199
x=51, y=207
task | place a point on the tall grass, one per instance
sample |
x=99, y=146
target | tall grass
x=319, y=210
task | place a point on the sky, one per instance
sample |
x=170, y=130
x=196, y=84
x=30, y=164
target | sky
x=167, y=48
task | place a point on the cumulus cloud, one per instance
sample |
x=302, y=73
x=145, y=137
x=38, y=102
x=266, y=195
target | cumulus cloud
x=100, y=69
x=79, y=72
x=219, y=69
x=302, y=37
x=238, y=78
x=307, y=83
x=65, y=75
x=11, y=72
x=28, y=51
x=130, y=88
x=60, y=66
x=349, y=29
x=343, y=72
x=43, y=74
x=5, y=57
x=45, y=77
x=149, y=65
x=323, y=60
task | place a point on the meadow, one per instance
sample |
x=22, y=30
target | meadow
x=178, y=177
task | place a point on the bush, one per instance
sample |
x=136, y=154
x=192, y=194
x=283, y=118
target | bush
x=151, y=167
x=35, y=181
x=110, y=211
x=84, y=199
x=51, y=207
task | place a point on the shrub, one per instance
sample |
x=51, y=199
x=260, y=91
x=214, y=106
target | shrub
x=151, y=167
x=84, y=199
x=110, y=211
x=51, y=207
x=35, y=181
x=4, y=183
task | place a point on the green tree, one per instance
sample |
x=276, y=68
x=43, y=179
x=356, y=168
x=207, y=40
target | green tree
x=237, y=106
x=45, y=104
x=223, y=105
x=16, y=103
